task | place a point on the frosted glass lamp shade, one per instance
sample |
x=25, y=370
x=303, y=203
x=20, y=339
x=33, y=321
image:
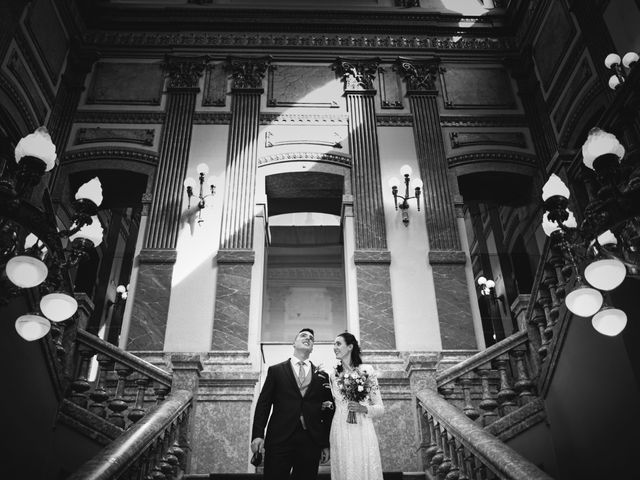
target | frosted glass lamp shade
x=605, y=273
x=32, y=326
x=553, y=187
x=607, y=238
x=600, y=143
x=212, y=181
x=92, y=190
x=190, y=182
x=614, y=82
x=609, y=321
x=584, y=301
x=611, y=60
x=202, y=169
x=91, y=232
x=58, y=307
x=26, y=272
x=406, y=170
x=490, y=284
x=37, y=144
x=394, y=182
x=416, y=183
x=548, y=226
x=629, y=59
x=571, y=221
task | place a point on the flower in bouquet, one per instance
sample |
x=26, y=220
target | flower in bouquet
x=354, y=386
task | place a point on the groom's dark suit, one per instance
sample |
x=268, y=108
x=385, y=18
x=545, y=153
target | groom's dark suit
x=290, y=441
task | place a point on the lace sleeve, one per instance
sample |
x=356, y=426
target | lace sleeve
x=375, y=407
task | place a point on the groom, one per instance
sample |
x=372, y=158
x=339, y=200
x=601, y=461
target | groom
x=298, y=432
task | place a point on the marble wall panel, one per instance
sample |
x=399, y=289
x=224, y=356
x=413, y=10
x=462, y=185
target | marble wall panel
x=390, y=88
x=126, y=83
x=467, y=86
x=454, y=311
x=468, y=139
x=303, y=86
x=215, y=87
x=151, y=306
x=375, y=306
x=48, y=36
x=231, y=320
x=556, y=35
x=140, y=136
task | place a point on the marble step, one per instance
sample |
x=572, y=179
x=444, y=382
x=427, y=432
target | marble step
x=321, y=476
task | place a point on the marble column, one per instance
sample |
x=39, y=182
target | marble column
x=535, y=108
x=446, y=257
x=158, y=255
x=371, y=256
x=236, y=256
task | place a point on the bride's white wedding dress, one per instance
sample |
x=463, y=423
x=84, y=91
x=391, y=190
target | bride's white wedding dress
x=355, y=454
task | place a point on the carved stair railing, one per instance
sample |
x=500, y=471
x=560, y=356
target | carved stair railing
x=459, y=449
x=110, y=389
x=152, y=449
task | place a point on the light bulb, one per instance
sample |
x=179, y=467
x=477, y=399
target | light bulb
x=416, y=183
x=190, y=182
x=406, y=170
x=482, y=281
x=202, y=169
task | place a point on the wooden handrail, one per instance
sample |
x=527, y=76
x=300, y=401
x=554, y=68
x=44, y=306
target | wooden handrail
x=502, y=460
x=124, y=358
x=118, y=456
x=483, y=357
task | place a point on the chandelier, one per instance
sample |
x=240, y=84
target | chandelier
x=605, y=248
x=33, y=251
x=415, y=184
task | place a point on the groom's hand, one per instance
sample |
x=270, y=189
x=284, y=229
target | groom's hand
x=257, y=445
x=324, y=456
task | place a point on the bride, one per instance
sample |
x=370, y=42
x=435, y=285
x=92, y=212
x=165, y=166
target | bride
x=355, y=454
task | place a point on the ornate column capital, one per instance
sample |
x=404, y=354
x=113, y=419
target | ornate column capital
x=247, y=73
x=184, y=72
x=420, y=75
x=357, y=74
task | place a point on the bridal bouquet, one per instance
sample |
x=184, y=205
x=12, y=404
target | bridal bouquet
x=355, y=386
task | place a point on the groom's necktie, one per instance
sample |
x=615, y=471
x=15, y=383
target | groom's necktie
x=301, y=375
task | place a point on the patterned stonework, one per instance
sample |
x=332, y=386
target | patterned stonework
x=184, y=72
x=247, y=73
x=419, y=75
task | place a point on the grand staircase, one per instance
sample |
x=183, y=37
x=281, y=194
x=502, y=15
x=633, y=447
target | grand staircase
x=321, y=476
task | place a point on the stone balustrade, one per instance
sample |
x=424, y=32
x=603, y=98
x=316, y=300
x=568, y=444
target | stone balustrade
x=122, y=386
x=455, y=448
x=156, y=447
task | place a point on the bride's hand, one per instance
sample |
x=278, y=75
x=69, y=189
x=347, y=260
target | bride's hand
x=356, y=407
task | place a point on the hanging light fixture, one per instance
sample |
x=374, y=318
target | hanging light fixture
x=607, y=242
x=190, y=185
x=32, y=250
x=612, y=62
x=415, y=185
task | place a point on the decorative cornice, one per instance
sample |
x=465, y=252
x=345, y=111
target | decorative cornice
x=184, y=72
x=123, y=135
x=493, y=156
x=235, y=256
x=372, y=256
x=211, y=118
x=111, y=154
x=357, y=74
x=158, y=256
x=484, y=121
x=420, y=75
x=302, y=118
x=236, y=40
x=394, y=120
x=343, y=160
x=247, y=72
x=447, y=257
x=97, y=116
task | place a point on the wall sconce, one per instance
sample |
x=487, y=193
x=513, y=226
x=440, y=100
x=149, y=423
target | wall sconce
x=607, y=241
x=416, y=184
x=31, y=247
x=612, y=62
x=190, y=184
x=486, y=286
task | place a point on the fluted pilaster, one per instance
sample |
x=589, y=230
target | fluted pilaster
x=236, y=256
x=445, y=252
x=153, y=289
x=371, y=256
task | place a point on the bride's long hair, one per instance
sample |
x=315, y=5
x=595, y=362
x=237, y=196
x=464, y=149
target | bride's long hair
x=356, y=359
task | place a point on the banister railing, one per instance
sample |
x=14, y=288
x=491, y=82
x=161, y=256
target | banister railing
x=458, y=448
x=122, y=385
x=152, y=448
